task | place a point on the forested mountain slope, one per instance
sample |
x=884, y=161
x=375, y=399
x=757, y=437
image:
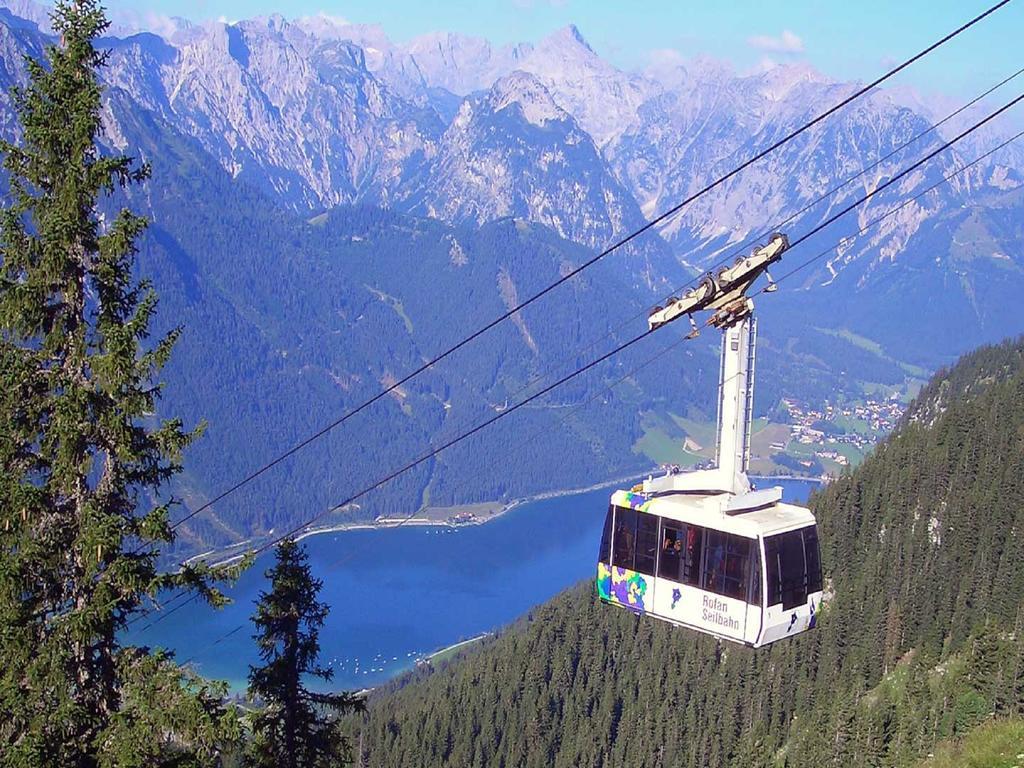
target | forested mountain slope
x=289, y=323
x=920, y=640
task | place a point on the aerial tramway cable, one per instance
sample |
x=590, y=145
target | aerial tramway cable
x=482, y=425
x=661, y=352
x=532, y=436
x=176, y=600
x=585, y=265
x=899, y=207
x=750, y=241
x=435, y=451
x=905, y=171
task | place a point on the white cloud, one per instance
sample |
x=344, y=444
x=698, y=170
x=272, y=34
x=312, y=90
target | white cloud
x=665, y=57
x=787, y=42
x=328, y=18
x=165, y=26
x=664, y=64
x=129, y=22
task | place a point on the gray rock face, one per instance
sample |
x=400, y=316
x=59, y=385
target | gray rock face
x=254, y=128
x=30, y=11
x=603, y=99
x=462, y=64
x=707, y=125
x=514, y=152
x=304, y=118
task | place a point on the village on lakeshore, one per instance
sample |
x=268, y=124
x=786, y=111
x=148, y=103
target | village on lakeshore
x=836, y=435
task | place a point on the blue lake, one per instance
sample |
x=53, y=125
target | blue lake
x=397, y=595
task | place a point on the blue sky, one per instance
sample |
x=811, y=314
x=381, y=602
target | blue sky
x=845, y=40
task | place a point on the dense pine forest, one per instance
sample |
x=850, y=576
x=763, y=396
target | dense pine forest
x=920, y=640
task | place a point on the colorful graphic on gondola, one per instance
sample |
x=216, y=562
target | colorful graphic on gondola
x=604, y=582
x=622, y=586
x=634, y=500
x=676, y=595
x=814, y=617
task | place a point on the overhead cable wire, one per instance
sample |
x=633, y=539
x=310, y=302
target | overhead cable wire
x=868, y=195
x=572, y=411
x=454, y=441
x=587, y=264
x=423, y=458
x=484, y=424
x=528, y=439
x=898, y=208
x=824, y=252
x=166, y=610
x=740, y=249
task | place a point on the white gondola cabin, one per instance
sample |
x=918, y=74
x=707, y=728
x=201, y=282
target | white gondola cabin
x=704, y=549
x=751, y=575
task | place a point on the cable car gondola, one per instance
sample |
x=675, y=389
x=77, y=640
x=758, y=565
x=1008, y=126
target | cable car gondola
x=705, y=549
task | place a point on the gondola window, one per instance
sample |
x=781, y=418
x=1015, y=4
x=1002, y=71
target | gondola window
x=692, y=548
x=725, y=564
x=606, y=537
x=787, y=569
x=646, y=543
x=624, y=538
x=673, y=538
x=813, y=559
x=755, y=574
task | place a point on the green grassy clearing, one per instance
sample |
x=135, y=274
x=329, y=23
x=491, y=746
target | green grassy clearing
x=395, y=304
x=995, y=744
x=662, y=442
x=702, y=432
x=868, y=345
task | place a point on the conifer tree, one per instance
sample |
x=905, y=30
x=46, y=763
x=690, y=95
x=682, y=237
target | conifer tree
x=294, y=728
x=83, y=460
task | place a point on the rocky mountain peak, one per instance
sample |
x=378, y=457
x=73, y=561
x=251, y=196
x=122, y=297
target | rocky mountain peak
x=343, y=55
x=708, y=69
x=777, y=81
x=675, y=74
x=526, y=91
x=327, y=27
x=564, y=49
x=463, y=64
x=319, y=112
x=602, y=98
x=274, y=24
x=568, y=37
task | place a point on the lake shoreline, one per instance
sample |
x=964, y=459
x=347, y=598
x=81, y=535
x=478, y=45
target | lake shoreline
x=497, y=509
x=421, y=518
x=450, y=650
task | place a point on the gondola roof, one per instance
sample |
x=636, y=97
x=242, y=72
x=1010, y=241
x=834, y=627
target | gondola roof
x=709, y=511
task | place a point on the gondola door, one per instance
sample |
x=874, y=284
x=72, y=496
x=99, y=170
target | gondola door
x=626, y=578
x=793, y=582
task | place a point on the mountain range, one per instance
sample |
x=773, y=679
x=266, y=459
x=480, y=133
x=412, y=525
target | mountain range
x=330, y=208
x=317, y=112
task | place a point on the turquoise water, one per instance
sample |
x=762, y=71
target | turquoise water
x=397, y=595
